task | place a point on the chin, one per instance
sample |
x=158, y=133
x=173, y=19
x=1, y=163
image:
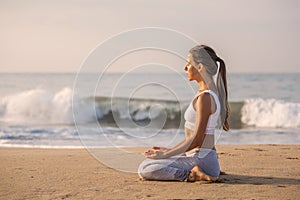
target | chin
x=190, y=78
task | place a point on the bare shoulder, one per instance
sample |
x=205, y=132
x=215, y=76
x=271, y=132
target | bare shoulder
x=204, y=98
x=203, y=102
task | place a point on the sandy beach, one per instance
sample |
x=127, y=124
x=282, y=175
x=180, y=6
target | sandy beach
x=253, y=172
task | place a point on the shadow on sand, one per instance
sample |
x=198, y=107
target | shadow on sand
x=258, y=180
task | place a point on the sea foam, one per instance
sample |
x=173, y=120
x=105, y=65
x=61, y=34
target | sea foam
x=271, y=113
x=39, y=106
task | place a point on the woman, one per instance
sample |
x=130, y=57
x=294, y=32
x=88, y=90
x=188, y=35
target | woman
x=195, y=158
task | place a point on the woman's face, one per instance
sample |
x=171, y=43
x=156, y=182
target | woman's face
x=192, y=72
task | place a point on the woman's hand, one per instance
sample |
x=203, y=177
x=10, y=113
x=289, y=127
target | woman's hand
x=155, y=154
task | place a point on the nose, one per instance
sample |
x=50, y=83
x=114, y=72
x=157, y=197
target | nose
x=185, y=68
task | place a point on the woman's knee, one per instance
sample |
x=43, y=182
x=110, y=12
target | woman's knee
x=146, y=175
x=150, y=171
x=143, y=171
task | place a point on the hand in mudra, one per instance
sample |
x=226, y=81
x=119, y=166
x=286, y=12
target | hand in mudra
x=156, y=152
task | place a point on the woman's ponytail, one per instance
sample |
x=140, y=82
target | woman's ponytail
x=223, y=93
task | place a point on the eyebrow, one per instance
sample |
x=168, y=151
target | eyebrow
x=189, y=62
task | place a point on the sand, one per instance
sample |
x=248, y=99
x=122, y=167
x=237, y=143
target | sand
x=253, y=172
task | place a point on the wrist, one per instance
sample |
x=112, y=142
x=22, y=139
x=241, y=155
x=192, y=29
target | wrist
x=165, y=154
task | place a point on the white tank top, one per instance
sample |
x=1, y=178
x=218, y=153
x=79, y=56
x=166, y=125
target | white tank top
x=190, y=114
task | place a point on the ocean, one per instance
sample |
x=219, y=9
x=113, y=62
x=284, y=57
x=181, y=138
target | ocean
x=63, y=110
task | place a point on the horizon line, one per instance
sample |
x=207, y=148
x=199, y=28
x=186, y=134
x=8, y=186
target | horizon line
x=163, y=72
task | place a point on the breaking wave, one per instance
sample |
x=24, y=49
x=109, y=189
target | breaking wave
x=39, y=106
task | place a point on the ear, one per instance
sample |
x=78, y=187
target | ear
x=201, y=67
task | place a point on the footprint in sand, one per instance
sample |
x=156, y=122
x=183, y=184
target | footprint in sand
x=258, y=149
x=240, y=149
x=285, y=148
x=283, y=186
x=292, y=158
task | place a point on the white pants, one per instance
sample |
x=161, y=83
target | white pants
x=178, y=167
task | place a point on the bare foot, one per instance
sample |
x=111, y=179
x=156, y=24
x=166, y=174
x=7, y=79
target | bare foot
x=196, y=174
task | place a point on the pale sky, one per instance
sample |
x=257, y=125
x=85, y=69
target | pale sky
x=57, y=35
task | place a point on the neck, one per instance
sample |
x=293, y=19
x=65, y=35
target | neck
x=202, y=85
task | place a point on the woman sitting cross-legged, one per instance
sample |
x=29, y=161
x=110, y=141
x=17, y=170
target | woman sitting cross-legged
x=195, y=158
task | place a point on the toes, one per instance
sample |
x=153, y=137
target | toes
x=207, y=178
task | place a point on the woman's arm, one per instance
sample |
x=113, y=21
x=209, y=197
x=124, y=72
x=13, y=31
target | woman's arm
x=203, y=108
x=203, y=112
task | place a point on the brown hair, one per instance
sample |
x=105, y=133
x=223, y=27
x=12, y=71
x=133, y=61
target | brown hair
x=221, y=80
